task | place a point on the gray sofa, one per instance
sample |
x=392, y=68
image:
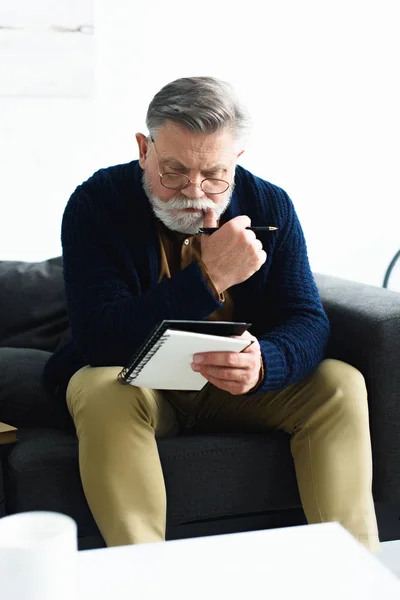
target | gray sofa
x=215, y=483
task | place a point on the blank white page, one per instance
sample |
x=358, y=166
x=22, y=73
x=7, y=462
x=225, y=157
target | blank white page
x=169, y=368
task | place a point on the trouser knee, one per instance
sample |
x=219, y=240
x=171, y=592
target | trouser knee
x=344, y=388
x=94, y=395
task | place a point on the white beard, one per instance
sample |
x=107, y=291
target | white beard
x=168, y=211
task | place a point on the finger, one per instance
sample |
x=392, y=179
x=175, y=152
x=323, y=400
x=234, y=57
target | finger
x=250, y=235
x=241, y=222
x=233, y=387
x=253, y=347
x=222, y=359
x=257, y=245
x=227, y=374
x=245, y=335
x=209, y=218
x=254, y=344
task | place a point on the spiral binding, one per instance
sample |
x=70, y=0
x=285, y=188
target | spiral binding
x=129, y=373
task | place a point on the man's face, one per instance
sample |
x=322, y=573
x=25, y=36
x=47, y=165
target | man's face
x=198, y=156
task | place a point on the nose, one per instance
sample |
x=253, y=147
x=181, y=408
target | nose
x=193, y=190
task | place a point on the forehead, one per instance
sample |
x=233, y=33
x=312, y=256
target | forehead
x=174, y=143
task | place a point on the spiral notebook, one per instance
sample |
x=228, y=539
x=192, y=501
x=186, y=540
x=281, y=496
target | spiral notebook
x=164, y=360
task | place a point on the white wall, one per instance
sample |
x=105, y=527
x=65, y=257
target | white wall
x=321, y=80
x=46, y=149
x=46, y=120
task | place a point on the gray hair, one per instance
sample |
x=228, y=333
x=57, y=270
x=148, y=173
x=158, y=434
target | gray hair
x=201, y=105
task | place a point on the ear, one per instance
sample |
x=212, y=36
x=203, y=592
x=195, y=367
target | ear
x=143, y=145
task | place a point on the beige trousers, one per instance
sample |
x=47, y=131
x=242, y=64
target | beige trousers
x=326, y=415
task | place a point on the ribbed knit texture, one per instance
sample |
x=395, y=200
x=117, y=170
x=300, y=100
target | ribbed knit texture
x=111, y=268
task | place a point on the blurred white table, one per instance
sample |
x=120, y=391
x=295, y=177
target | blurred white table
x=312, y=562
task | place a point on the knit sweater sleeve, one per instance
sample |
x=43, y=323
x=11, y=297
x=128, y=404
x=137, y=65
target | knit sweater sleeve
x=110, y=313
x=295, y=345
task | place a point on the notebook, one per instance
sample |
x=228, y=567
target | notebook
x=164, y=360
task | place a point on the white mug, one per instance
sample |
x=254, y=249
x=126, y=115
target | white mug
x=38, y=556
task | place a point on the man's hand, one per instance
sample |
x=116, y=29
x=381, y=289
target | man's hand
x=233, y=253
x=234, y=372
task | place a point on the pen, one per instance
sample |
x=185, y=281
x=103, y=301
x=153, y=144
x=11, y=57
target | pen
x=213, y=229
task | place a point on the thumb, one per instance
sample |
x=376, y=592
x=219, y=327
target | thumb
x=209, y=218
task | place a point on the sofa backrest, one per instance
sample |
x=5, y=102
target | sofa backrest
x=33, y=310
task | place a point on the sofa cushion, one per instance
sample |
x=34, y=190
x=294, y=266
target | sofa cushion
x=206, y=476
x=23, y=399
x=33, y=306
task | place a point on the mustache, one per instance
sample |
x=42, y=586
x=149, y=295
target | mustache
x=182, y=202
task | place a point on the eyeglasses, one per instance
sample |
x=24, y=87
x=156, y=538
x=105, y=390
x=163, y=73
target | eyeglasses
x=179, y=181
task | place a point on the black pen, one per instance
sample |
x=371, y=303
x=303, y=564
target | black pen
x=255, y=229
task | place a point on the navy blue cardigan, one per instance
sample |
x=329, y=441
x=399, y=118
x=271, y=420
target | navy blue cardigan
x=111, y=267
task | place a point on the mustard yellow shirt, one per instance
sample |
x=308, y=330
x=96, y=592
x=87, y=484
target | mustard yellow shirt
x=177, y=252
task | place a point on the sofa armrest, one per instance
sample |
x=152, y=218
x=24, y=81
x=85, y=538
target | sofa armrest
x=365, y=332
x=24, y=401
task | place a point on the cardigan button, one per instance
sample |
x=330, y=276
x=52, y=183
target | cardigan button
x=186, y=242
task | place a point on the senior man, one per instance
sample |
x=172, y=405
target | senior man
x=133, y=257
